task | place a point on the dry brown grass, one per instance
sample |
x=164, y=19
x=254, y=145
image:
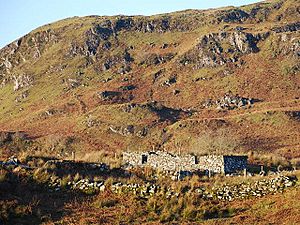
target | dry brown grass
x=28, y=201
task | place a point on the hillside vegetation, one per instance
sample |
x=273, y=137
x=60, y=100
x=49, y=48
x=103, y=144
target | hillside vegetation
x=76, y=93
x=101, y=85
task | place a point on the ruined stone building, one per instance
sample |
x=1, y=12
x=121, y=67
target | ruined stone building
x=225, y=164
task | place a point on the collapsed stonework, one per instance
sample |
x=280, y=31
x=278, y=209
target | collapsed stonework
x=225, y=164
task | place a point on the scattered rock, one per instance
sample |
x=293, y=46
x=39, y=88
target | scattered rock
x=157, y=75
x=127, y=88
x=129, y=107
x=115, y=96
x=229, y=102
x=155, y=59
x=22, y=96
x=124, y=70
x=73, y=83
x=176, y=92
x=295, y=115
x=142, y=132
x=170, y=81
x=22, y=81
x=91, y=122
x=164, y=46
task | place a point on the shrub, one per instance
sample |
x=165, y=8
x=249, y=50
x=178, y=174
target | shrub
x=77, y=177
x=3, y=175
x=6, y=208
x=108, y=183
x=41, y=176
x=22, y=210
x=189, y=213
x=64, y=181
x=166, y=216
x=194, y=181
x=105, y=202
x=153, y=205
x=151, y=216
x=295, y=162
x=221, y=141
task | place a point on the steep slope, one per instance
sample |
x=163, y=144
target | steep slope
x=113, y=83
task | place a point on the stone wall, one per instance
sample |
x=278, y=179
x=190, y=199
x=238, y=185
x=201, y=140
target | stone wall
x=222, y=163
x=132, y=158
x=242, y=190
x=234, y=163
x=172, y=162
x=160, y=160
x=213, y=163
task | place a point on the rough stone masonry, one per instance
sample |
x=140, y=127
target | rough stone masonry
x=225, y=164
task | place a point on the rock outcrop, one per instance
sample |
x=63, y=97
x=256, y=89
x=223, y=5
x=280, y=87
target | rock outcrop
x=22, y=96
x=22, y=81
x=26, y=48
x=217, y=49
x=155, y=59
x=130, y=130
x=232, y=16
x=292, y=27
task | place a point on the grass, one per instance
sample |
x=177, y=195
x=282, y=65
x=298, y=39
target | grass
x=107, y=207
x=138, y=116
x=269, y=118
x=3, y=175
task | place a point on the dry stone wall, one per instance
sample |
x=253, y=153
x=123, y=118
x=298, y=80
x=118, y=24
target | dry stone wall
x=160, y=160
x=172, y=162
x=213, y=163
x=234, y=163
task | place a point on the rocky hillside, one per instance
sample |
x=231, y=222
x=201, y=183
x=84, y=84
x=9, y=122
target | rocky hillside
x=172, y=81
